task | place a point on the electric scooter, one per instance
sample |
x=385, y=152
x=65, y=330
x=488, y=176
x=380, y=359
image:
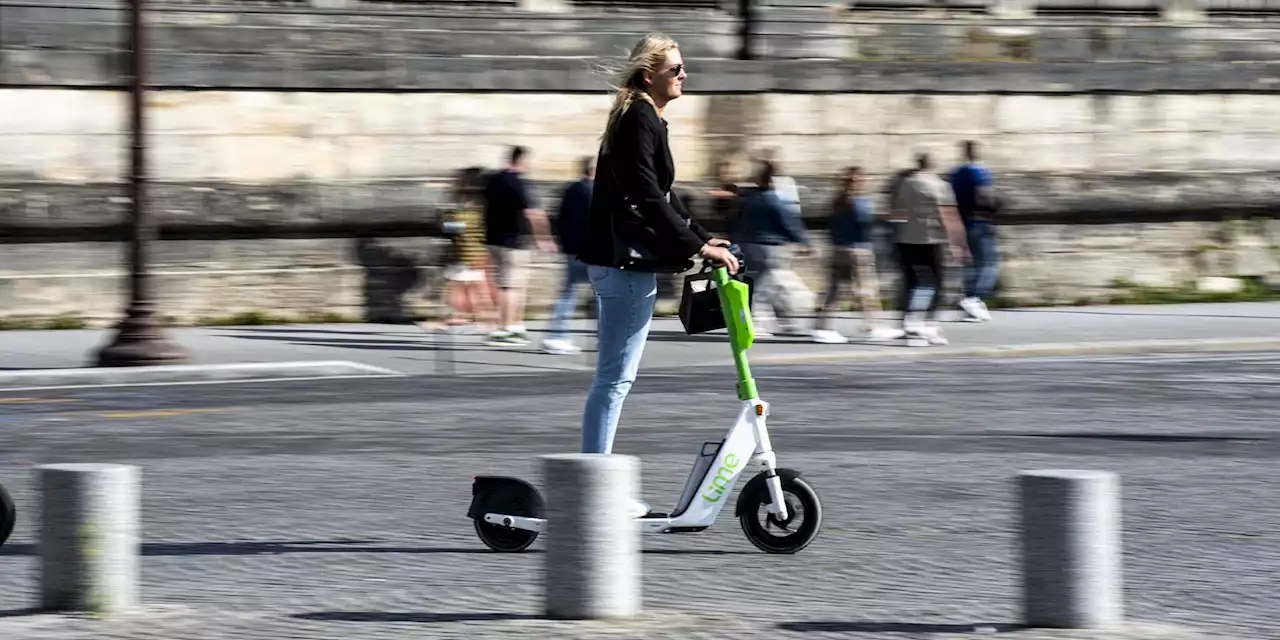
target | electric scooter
x=7, y=515
x=778, y=511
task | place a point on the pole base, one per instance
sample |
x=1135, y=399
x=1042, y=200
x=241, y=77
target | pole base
x=140, y=342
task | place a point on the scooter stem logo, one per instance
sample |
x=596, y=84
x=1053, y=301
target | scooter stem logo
x=723, y=475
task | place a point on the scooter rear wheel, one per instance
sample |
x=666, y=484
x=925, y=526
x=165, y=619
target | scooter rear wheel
x=8, y=515
x=511, y=500
x=768, y=533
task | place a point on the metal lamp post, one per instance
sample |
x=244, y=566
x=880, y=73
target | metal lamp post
x=139, y=338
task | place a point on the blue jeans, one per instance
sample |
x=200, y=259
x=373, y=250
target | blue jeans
x=625, y=300
x=575, y=273
x=983, y=267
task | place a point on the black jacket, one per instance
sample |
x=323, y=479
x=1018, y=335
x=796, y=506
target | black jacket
x=636, y=222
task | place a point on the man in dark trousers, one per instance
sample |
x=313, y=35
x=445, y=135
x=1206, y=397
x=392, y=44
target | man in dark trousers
x=571, y=221
x=924, y=211
x=509, y=218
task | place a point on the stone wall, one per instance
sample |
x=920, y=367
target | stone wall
x=299, y=157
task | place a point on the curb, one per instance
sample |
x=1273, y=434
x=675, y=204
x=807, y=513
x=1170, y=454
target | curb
x=185, y=374
x=1030, y=351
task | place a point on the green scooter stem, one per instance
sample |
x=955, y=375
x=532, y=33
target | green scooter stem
x=735, y=304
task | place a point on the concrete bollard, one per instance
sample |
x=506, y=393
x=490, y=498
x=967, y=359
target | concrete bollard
x=593, y=542
x=89, y=535
x=1071, y=549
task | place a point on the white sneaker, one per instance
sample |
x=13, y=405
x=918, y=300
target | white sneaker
x=975, y=309
x=915, y=339
x=934, y=336
x=640, y=509
x=828, y=336
x=885, y=333
x=560, y=347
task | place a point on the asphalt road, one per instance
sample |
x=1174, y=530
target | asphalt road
x=1200, y=405
x=327, y=508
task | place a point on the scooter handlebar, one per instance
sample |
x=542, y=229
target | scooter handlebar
x=709, y=264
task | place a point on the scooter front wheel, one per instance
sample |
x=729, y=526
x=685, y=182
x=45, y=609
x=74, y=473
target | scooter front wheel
x=770, y=534
x=8, y=515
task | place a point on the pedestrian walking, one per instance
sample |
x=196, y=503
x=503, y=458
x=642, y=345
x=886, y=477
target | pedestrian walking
x=767, y=231
x=571, y=222
x=978, y=203
x=509, y=219
x=853, y=261
x=924, y=214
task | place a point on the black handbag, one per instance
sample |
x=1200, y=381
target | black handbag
x=700, y=310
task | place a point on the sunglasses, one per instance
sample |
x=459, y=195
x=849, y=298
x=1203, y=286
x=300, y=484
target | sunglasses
x=676, y=70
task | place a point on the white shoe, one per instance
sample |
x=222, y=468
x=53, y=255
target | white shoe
x=975, y=309
x=640, y=509
x=934, y=336
x=915, y=339
x=828, y=336
x=885, y=333
x=560, y=347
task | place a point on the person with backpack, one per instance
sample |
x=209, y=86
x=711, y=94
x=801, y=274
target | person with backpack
x=978, y=204
x=768, y=228
x=571, y=222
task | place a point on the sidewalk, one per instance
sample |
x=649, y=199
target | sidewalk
x=410, y=350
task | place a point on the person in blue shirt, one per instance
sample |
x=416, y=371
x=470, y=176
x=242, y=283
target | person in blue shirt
x=571, y=220
x=765, y=230
x=853, y=261
x=977, y=203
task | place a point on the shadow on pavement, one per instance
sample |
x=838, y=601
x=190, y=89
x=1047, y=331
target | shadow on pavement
x=410, y=616
x=894, y=627
x=1137, y=314
x=268, y=547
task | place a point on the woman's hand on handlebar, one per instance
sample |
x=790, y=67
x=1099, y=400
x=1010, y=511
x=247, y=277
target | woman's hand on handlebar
x=719, y=242
x=720, y=255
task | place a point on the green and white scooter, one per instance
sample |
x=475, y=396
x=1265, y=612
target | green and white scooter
x=778, y=511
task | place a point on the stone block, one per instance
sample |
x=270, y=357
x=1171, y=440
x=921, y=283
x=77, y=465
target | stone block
x=345, y=72
x=1250, y=112
x=228, y=71
x=942, y=149
x=1190, y=112
x=347, y=114
x=1063, y=47
x=793, y=114
x=46, y=111
x=858, y=113
x=1063, y=152
x=18, y=34
x=355, y=42
x=261, y=159
x=1040, y=114
x=1125, y=113
x=41, y=67
x=44, y=157
x=872, y=152
x=964, y=114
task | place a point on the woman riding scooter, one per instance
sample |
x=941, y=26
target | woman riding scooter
x=637, y=227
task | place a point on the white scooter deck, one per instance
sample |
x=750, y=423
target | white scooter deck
x=710, y=482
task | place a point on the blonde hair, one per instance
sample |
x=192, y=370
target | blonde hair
x=649, y=54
